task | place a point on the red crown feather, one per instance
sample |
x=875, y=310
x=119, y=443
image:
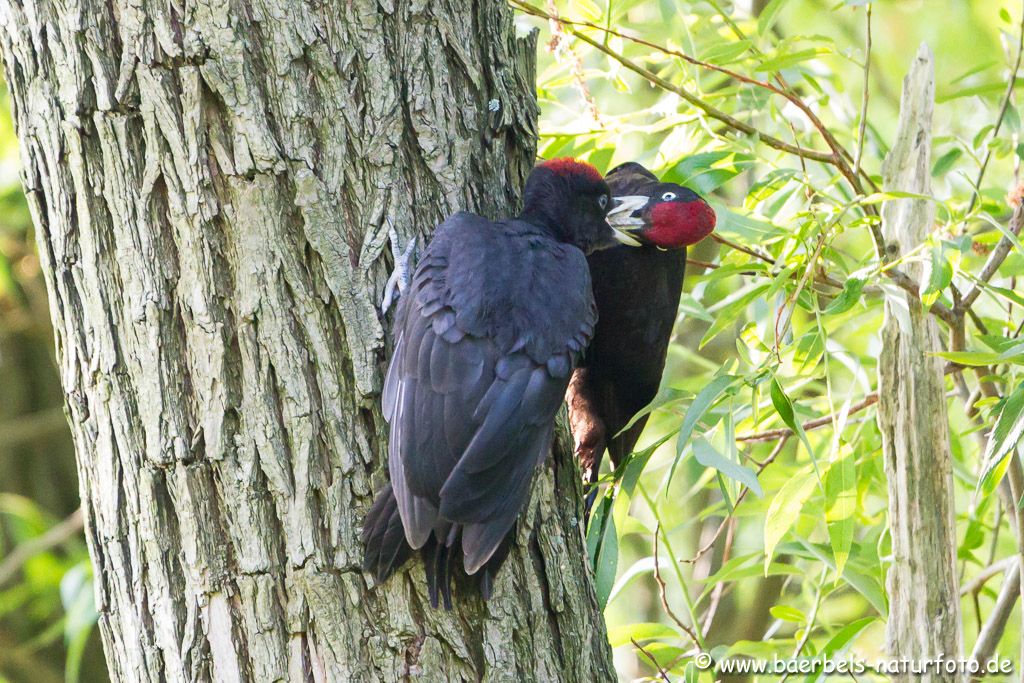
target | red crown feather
x=570, y=166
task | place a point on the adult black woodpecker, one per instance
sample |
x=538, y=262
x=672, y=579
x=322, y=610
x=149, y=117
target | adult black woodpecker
x=487, y=336
x=637, y=294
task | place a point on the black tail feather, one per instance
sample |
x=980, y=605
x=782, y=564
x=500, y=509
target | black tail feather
x=384, y=537
x=387, y=549
x=437, y=560
x=490, y=570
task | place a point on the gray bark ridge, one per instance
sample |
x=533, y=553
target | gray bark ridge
x=210, y=184
x=922, y=585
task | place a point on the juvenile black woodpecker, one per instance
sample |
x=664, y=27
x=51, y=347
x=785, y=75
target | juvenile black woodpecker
x=637, y=295
x=487, y=335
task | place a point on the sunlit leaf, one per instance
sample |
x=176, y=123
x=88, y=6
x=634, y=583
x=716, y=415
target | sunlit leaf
x=787, y=613
x=707, y=455
x=700, y=404
x=848, y=298
x=1004, y=438
x=841, y=506
x=769, y=15
x=785, y=508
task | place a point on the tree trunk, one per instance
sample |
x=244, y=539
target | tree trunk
x=924, y=599
x=211, y=186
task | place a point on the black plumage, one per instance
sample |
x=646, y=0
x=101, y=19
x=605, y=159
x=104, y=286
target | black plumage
x=637, y=294
x=487, y=336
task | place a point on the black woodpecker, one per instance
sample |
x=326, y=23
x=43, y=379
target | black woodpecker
x=488, y=333
x=637, y=293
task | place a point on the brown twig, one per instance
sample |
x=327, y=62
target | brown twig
x=53, y=537
x=705, y=264
x=994, y=569
x=661, y=671
x=839, y=155
x=739, y=499
x=773, y=434
x=995, y=259
x=719, y=589
x=560, y=46
x=663, y=596
x=708, y=109
x=1004, y=106
x=993, y=629
x=865, y=93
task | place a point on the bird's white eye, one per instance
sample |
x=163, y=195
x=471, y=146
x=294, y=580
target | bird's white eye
x=668, y=196
x=602, y=201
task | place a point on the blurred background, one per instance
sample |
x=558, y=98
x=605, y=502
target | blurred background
x=47, y=615
x=796, y=563
x=820, y=588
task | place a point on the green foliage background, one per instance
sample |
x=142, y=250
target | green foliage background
x=762, y=548
x=762, y=346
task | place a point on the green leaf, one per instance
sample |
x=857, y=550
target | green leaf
x=841, y=507
x=983, y=90
x=940, y=274
x=641, y=631
x=707, y=455
x=790, y=58
x=727, y=310
x=848, y=298
x=700, y=404
x=787, y=613
x=845, y=635
x=725, y=51
x=769, y=185
x=971, y=358
x=946, y=161
x=808, y=350
x=784, y=510
x=1004, y=437
x=636, y=464
x=784, y=407
x=769, y=15
x=589, y=10
x=640, y=567
x=603, y=549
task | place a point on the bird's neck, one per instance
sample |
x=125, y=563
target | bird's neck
x=539, y=217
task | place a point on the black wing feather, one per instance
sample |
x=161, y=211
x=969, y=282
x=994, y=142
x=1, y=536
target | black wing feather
x=480, y=368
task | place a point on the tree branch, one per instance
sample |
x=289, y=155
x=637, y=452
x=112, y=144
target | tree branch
x=995, y=259
x=994, y=569
x=993, y=629
x=53, y=537
x=836, y=158
x=773, y=434
x=708, y=109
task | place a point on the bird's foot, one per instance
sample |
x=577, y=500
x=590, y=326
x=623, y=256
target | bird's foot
x=405, y=261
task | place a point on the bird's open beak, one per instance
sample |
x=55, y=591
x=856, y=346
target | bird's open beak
x=620, y=217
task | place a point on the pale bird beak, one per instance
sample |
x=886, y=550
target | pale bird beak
x=620, y=217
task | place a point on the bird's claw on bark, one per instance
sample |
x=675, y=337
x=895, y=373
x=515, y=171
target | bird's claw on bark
x=404, y=261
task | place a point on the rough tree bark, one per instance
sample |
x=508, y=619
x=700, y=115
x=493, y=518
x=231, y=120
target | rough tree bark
x=924, y=602
x=211, y=184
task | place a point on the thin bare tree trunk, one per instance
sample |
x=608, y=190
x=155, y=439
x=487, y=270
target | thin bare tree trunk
x=924, y=604
x=211, y=185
